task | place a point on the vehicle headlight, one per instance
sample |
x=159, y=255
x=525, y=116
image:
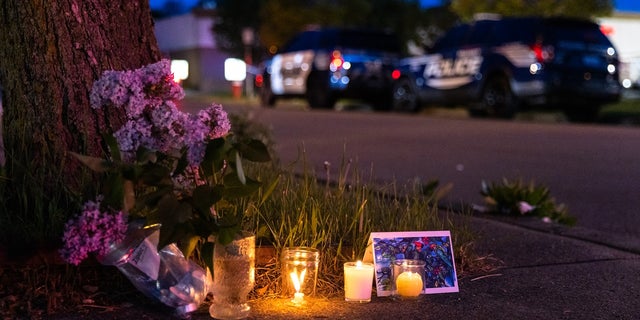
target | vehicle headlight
x=535, y=67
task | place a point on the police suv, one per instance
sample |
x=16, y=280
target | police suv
x=323, y=65
x=496, y=66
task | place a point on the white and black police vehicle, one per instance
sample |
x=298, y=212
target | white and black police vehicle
x=497, y=66
x=323, y=65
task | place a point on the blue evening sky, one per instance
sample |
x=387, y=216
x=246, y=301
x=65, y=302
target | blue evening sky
x=620, y=5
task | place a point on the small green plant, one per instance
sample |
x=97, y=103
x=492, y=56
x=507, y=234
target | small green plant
x=520, y=199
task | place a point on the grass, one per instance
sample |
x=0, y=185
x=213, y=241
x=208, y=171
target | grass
x=302, y=209
x=336, y=217
x=627, y=111
x=36, y=199
x=517, y=198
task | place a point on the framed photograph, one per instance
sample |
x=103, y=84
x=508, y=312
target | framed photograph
x=433, y=247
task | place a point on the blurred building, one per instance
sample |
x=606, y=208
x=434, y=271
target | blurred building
x=622, y=29
x=190, y=37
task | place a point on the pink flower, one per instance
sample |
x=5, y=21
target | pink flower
x=93, y=231
x=524, y=207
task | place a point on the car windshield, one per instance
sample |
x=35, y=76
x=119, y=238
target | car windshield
x=365, y=40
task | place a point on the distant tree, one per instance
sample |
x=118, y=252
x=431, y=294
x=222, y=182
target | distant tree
x=466, y=9
x=281, y=19
x=276, y=21
x=231, y=17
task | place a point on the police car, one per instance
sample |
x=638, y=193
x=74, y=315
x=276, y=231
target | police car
x=497, y=66
x=324, y=65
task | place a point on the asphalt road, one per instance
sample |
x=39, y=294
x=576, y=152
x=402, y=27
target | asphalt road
x=593, y=169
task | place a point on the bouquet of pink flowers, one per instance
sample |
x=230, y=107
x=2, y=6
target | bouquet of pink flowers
x=163, y=165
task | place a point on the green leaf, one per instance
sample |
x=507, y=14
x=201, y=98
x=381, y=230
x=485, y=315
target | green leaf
x=214, y=156
x=156, y=175
x=269, y=191
x=95, y=164
x=174, y=233
x=206, y=252
x=253, y=150
x=234, y=188
x=205, y=196
x=144, y=155
x=182, y=164
x=114, y=190
x=240, y=172
x=227, y=234
x=151, y=199
x=188, y=244
x=112, y=143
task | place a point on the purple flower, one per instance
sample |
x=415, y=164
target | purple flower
x=216, y=119
x=136, y=90
x=93, y=231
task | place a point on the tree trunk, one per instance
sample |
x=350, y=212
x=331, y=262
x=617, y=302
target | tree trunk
x=52, y=53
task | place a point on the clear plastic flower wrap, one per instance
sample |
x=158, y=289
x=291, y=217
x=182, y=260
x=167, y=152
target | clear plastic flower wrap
x=164, y=275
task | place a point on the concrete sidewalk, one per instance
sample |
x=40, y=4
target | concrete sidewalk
x=544, y=276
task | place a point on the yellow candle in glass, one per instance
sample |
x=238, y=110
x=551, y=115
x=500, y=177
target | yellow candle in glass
x=409, y=284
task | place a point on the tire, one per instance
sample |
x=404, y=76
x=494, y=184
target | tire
x=318, y=93
x=497, y=100
x=405, y=98
x=582, y=113
x=267, y=99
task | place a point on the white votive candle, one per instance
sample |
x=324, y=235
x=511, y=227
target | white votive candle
x=358, y=277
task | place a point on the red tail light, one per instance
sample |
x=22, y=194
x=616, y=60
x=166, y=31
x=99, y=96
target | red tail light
x=542, y=53
x=395, y=74
x=336, y=61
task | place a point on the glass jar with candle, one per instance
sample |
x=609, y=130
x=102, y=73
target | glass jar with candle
x=408, y=278
x=299, y=272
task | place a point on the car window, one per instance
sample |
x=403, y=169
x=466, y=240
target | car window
x=453, y=38
x=482, y=32
x=521, y=30
x=578, y=31
x=366, y=40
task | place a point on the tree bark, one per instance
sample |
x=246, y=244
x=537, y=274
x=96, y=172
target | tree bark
x=51, y=53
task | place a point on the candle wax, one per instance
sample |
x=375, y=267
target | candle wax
x=358, y=281
x=409, y=284
x=298, y=297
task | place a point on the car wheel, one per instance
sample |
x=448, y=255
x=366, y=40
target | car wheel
x=404, y=99
x=319, y=95
x=583, y=113
x=497, y=100
x=267, y=99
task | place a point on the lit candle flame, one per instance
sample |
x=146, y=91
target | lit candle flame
x=297, y=281
x=297, y=284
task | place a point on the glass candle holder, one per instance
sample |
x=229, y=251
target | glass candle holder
x=233, y=277
x=358, y=280
x=299, y=272
x=408, y=278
